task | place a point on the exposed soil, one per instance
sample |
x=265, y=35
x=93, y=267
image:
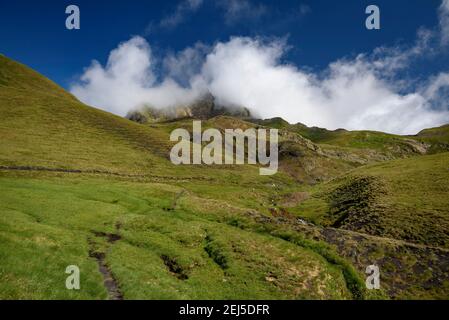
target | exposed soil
x=109, y=281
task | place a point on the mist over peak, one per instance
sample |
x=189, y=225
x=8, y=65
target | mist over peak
x=203, y=108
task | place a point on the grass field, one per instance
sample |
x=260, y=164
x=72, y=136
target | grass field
x=47, y=224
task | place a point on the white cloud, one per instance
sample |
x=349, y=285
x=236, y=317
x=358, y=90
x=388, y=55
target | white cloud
x=360, y=93
x=392, y=59
x=436, y=91
x=349, y=95
x=182, y=66
x=128, y=81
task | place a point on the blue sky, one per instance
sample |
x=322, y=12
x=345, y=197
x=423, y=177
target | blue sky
x=309, y=36
x=34, y=32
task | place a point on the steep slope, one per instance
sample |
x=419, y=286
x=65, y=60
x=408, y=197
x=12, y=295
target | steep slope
x=42, y=125
x=404, y=199
x=393, y=214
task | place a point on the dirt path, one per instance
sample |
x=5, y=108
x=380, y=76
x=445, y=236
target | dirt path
x=102, y=172
x=110, y=283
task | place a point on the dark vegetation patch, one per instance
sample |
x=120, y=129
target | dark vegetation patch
x=407, y=270
x=353, y=205
x=290, y=149
x=216, y=252
x=174, y=267
x=110, y=237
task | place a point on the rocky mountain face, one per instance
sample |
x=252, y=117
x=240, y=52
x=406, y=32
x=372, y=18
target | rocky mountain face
x=204, y=108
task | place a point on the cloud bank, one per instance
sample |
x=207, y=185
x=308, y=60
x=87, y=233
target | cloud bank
x=359, y=93
x=128, y=81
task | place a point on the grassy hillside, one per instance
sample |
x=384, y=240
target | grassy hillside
x=42, y=125
x=438, y=138
x=84, y=187
x=81, y=186
x=371, y=145
x=394, y=214
x=402, y=199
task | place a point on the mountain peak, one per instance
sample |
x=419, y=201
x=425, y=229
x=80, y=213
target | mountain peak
x=203, y=108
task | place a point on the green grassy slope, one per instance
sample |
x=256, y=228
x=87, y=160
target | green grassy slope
x=42, y=125
x=394, y=214
x=162, y=231
x=299, y=158
x=438, y=138
x=404, y=199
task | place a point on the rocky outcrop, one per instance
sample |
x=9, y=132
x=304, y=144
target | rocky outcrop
x=203, y=109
